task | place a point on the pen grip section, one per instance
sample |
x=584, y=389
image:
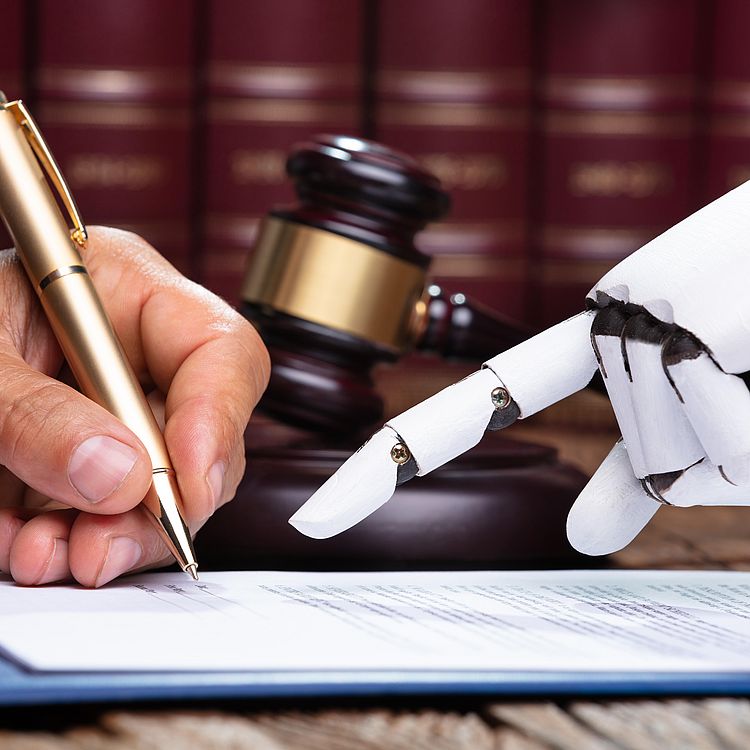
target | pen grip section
x=97, y=360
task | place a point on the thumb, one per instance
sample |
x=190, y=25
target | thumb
x=65, y=446
x=612, y=508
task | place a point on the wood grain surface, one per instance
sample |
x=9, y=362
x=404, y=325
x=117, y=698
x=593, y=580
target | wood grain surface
x=697, y=538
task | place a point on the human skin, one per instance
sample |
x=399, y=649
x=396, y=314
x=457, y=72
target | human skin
x=71, y=475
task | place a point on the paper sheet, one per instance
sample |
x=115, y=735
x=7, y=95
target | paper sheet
x=593, y=621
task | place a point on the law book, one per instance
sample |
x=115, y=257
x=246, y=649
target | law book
x=617, y=138
x=113, y=88
x=276, y=73
x=728, y=100
x=11, y=63
x=452, y=88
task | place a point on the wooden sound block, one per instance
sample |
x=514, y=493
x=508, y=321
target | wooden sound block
x=502, y=504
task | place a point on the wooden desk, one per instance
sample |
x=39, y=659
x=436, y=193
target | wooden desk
x=692, y=538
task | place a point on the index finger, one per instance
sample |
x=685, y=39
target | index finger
x=517, y=383
x=206, y=358
x=550, y=366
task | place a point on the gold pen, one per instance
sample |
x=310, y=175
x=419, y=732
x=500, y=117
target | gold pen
x=48, y=250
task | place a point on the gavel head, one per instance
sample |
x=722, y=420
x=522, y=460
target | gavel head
x=335, y=283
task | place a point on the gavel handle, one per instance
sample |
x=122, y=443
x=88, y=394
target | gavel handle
x=461, y=328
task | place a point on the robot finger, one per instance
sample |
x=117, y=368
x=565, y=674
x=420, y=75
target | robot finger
x=360, y=486
x=549, y=366
x=700, y=484
x=612, y=508
x=517, y=383
x=606, y=332
x=716, y=403
x=667, y=439
x=416, y=442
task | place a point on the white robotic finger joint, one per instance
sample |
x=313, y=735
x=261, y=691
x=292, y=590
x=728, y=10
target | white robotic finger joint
x=450, y=422
x=549, y=366
x=718, y=406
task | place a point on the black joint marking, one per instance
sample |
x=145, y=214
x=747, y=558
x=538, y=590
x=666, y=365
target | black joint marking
x=661, y=483
x=646, y=485
x=656, y=484
x=502, y=418
x=641, y=327
x=604, y=300
x=647, y=329
x=681, y=346
x=725, y=477
x=597, y=353
x=609, y=321
x=678, y=347
x=406, y=471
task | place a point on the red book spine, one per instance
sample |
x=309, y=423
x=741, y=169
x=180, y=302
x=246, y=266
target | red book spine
x=116, y=109
x=11, y=48
x=11, y=64
x=728, y=137
x=617, y=141
x=277, y=72
x=452, y=88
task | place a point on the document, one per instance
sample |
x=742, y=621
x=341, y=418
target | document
x=582, y=621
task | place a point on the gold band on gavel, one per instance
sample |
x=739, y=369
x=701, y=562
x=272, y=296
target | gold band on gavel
x=336, y=282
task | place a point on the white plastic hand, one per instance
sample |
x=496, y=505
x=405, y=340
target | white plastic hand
x=673, y=336
x=670, y=328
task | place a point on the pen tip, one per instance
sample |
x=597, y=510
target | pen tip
x=193, y=570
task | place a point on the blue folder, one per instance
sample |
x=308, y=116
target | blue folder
x=19, y=686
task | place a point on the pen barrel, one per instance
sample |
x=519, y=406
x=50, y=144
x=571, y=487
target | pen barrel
x=102, y=370
x=97, y=360
x=80, y=323
x=28, y=208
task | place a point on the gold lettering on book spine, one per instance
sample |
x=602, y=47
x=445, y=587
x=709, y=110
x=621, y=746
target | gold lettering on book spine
x=273, y=111
x=124, y=82
x=262, y=167
x=625, y=92
x=481, y=267
x=613, y=179
x=468, y=171
x=615, y=123
x=113, y=115
x=452, y=85
x=452, y=115
x=108, y=172
x=598, y=243
x=283, y=80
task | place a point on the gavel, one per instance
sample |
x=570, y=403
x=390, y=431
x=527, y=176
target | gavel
x=336, y=284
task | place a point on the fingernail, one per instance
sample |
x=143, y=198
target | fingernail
x=99, y=466
x=57, y=568
x=215, y=478
x=123, y=555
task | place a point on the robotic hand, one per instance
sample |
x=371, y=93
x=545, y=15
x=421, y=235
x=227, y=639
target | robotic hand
x=669, y=329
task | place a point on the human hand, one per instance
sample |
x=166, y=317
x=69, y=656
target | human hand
x=71, y=475
x=669, y=329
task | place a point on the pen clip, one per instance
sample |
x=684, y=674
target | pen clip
x=36, y=140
